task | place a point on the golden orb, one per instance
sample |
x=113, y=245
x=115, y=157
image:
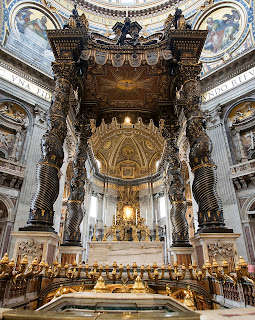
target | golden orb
x=128, y=212
x=127, y=120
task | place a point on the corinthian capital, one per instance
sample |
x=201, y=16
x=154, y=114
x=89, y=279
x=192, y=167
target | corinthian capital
x=65, y=70
x=189, y=72
x=189, y=89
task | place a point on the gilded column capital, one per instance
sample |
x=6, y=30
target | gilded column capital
x=210, y=214
x=188, y=72
x=65, y=70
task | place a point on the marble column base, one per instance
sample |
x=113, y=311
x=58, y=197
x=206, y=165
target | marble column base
x=182, y=255
x=41, y=245
x=68, y=254
x=218, y=246
x=126, y=252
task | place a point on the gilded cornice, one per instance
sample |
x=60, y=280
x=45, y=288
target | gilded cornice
x=134, y=11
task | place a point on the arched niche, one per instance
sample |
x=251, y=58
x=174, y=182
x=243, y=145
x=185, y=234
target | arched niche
x=248, y=222
x=14, y=125
x=239, y=122
x=6, y=222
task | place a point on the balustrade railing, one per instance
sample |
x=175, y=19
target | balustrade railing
x=10, y=167
x=235, y=284
x=243, y=168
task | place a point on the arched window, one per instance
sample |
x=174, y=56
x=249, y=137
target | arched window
x=162, y=207
x=93, y=207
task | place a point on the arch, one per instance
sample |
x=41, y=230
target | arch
x=27, y=37
x=14, y=126
x=9, y=206
x=24, y=107
x=4, y=154
x=19, y=6
x=241, y=8
x=227, y=128
x=249, y=202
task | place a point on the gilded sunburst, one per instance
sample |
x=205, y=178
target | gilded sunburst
x=127, y=83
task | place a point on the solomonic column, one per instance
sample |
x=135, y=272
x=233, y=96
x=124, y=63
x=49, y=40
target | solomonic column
x=175, y=186
x=67, y=45
x=72, y=235
x=47, y=172
x=210, y=214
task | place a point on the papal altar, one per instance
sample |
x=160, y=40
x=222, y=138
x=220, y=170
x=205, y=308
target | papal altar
x=126, y=252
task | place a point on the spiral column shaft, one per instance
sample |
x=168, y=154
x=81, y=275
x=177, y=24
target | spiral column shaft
x=210, y=214
x=72, y=235
x=47, y=173
x=175, y=185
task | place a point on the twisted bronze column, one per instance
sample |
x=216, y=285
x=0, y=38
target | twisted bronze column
x=210, y=214
x=175, y=186
x=67, y=45
x=47, y=172
x=72, y=235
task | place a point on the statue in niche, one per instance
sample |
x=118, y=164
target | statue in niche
x=6, y=142
x=248, y=139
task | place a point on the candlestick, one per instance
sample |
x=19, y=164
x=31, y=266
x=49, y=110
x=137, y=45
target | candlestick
x=147, y=236
x=136, y=216
x=94, y=236
x=126, y=11
x=146, y=218
x=115, y=216
x=157, y=237
x=104, y=238
x=115, y=235
x=156, y=216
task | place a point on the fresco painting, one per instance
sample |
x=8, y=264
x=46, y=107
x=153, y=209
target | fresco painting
x=224, y=27
x=28, y=38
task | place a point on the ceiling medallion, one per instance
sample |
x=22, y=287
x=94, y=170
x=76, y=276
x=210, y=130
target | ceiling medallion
x=128, y=152
x=107, y=145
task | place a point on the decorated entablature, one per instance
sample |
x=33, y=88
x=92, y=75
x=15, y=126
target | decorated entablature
x=129, y=71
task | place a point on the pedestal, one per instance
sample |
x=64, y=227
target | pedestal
x=69, y=254
x=182, y=255
x=41, y=245
x=126, y=252
x=218, y=246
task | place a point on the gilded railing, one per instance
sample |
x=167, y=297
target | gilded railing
x=24, y=270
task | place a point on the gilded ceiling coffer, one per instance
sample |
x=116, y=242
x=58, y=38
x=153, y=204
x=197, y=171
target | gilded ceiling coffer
x=72, y=235
x=210, y=212
x=47, y=173
x=175, y=187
